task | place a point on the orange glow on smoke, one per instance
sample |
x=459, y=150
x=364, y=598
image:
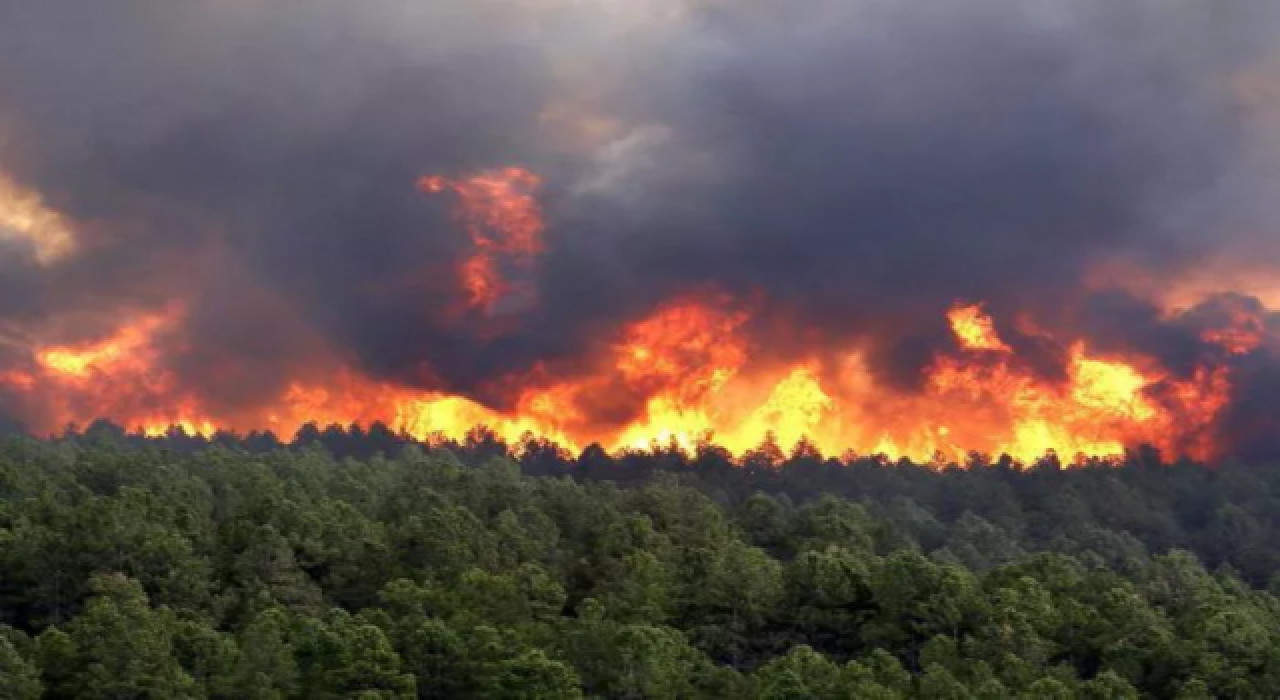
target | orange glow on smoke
x=110, y=355
x=24, y=215
x=503, y=219
x=118, y=376
x=1244, y=331
x=680, y=373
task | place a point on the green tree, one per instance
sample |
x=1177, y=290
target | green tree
x=938, y=683
x=1108, y=686
x=208, y=656
x=802, y=673
x=118, y=648
x=266, y=668
x=828, y=598
x=343, y=656
x=19, y=677
x=622, y=660
x=530, y=675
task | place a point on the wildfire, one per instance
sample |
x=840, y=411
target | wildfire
x=690, y=347
x=1243, y=330
x=685, y=371
x=121, y=375
x=690, y=361
x=111, y=355
x=975, y=330
x=503, y=219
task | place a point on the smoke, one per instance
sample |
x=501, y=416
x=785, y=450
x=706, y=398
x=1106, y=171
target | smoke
x=852, y=168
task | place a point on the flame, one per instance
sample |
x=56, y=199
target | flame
x=17, y=380
x=974, y=329
x=120, y=375
x=1243, y=330
x=503, y=219
x=690, y=362
x=684, y=371
x=109, y=355
x=688, y=346
x=24, y=216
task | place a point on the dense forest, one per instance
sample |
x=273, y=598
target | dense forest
x=359, y=563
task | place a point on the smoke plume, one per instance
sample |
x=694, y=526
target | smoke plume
x=842, y=173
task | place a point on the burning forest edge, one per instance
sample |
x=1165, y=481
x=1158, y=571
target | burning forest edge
x=543, y=456
x=696, y=370
x=686, y=375
x=1046, y=228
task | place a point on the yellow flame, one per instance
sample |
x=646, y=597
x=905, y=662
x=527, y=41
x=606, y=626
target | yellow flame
x=975, y=330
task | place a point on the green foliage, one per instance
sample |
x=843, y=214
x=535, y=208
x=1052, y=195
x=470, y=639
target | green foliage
x=132, y=571
x=802, y=673
x=266, y=668
x=119, y=647
x=618, y=659
x=529, y=676
x=342, y=656
x=19, y=676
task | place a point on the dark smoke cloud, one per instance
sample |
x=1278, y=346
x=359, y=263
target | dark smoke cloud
x=858, y=166
x=1120, y=323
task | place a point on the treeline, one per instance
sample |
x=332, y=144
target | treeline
x=380, y=568
x=1227, y=514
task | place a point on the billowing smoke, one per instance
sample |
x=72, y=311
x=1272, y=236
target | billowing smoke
x=848, y=169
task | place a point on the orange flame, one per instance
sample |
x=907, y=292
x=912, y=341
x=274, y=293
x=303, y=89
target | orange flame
x=975, y=330
x=119, y=376
x=110, y=355
x=1244, y=330
x=504, y=221
x=689, y=362
x=680, y=373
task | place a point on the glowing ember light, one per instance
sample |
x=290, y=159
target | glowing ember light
x=503, y=219
x=975, y=330
x=685, y=371
x=796, y=406
x=1243, y=331
x=1109, y=388
x=688, y=363
x=689, y=346
x=185, y=426
x=121, y=347
x=121, y=377
x=19, y=381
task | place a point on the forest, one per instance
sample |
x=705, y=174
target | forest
x=357, y=563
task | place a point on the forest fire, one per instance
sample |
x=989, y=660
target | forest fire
x=595, y=223
x=640, y=348
x=504, y=221
x=691, y=363
x=688, y=370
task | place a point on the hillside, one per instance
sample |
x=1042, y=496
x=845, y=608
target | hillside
x=134, y=568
